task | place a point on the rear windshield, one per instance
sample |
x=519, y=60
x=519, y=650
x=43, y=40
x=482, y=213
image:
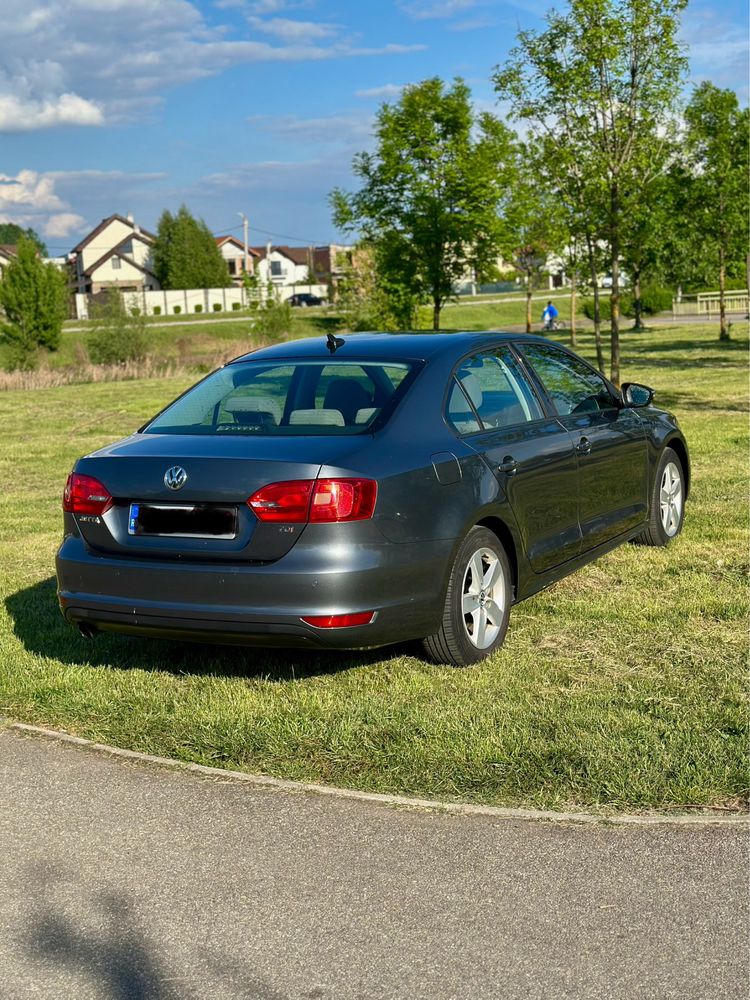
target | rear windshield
x=288, y=398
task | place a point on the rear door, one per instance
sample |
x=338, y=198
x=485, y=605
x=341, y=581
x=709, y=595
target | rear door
x=531, y=454
x=609, y=440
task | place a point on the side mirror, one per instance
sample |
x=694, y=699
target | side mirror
x=636, y=395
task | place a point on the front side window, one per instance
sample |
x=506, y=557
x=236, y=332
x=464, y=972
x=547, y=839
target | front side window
x=490, y=391
x=572, y=386
x=288, y=398
x=276, y=269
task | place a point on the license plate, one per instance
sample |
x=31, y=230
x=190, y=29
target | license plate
x=176, y=521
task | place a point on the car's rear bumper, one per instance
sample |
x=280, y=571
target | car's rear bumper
x=260, y=604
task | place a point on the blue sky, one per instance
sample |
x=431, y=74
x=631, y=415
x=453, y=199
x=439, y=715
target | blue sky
x=252, y=106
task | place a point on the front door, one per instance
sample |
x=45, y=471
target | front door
x=609, y=440
x=532, y=455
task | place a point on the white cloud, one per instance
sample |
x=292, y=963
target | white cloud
x=63, y=224
x=18, y=115
x=27, y=193
x=112, y=60
x=387, y=90
x=423, y=10
x=339, y=129
x=289, y=30
x=718, y=49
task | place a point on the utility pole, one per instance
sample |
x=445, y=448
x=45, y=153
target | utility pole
x=244, y=229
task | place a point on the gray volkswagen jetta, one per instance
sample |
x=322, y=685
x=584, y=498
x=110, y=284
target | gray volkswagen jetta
x=352, y=492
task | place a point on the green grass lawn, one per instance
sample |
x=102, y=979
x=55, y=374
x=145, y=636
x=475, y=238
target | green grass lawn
x=622, y=687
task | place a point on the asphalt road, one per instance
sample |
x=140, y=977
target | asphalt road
x=120, y=880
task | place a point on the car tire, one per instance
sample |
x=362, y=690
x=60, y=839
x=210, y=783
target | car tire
x=667, y=508
x=477, y=603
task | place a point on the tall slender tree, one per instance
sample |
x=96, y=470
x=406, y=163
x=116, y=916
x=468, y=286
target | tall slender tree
x=601, y=83
x=714, y=182
x=433, y=187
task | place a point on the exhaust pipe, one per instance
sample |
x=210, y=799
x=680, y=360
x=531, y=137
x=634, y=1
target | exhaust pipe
x=86, y=630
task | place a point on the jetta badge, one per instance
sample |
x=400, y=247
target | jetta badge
x=175, y=478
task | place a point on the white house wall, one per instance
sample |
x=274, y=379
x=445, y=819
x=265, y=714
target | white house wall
x=105, y=241
x=215, y=302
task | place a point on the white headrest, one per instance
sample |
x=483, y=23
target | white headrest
x=473, y=389
x=329, y=417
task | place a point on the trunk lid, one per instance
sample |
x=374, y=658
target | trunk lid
x=221, y=473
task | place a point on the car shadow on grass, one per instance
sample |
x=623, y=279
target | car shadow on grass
x=38, y=624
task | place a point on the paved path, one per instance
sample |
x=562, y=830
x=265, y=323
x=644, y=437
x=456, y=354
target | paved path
x=128, y=882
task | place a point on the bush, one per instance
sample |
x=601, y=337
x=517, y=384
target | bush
x=273, y=320
x=177, y=310
x=217, y=307
x=157, y=310
x=198, y=307
x=117, y=335
x=236, y=306
x=654, y=299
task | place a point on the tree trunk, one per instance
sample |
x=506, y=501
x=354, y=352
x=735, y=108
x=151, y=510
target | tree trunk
x=528, y=306
x=637, y=302
x=597, y=313
x=615, y=297
x=436, y=314
x=723, y=328
x=573, y=289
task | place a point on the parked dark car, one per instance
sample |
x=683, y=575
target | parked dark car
x=358, y=491
x=304, y=299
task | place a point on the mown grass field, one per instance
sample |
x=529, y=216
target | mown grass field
x=622, y=687
x=202, y=340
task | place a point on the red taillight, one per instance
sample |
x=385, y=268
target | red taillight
x=339, y=621
x=315, y=500
x=343, y=499
x=85, y=495
x=289, y=502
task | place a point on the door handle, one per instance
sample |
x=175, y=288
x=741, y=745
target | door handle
x=508, y=465
x=584, y=446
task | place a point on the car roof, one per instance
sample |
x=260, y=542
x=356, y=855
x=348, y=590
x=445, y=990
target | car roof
x=387, y=346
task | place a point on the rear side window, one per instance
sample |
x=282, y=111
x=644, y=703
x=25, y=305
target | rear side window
x=490, y=391
x=288, y=398
x=572, y=386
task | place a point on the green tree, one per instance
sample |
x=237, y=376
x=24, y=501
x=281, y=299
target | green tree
x=645, y=240
x=714, y=185
x=33, y=301
x=11, y=233
x=430, y=192
x=119, y=334
x=532, y=227
x=185, y=254
x=602, y=82
x=375, y=292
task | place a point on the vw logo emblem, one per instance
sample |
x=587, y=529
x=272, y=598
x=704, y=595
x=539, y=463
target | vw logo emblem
x=175, y=478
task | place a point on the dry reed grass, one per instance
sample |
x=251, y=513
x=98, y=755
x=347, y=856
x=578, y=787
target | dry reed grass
x=84, y=371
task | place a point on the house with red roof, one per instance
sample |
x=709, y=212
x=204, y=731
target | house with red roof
x=116, y=254
x=233, y=252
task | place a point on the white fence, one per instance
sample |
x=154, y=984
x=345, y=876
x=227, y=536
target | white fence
x=707, y=304
x=190, y=301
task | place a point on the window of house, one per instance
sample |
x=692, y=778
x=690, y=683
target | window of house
x=116, y=263
x=276, y=269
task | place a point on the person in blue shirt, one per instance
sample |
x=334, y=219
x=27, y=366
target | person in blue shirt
x=549, y=316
